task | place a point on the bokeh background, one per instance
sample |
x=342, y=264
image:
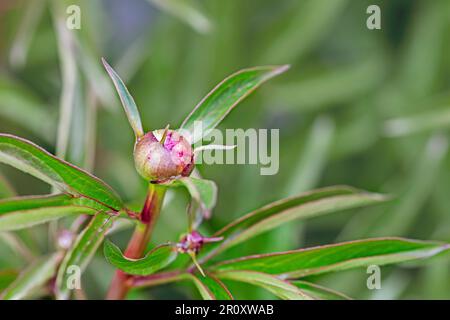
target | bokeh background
x=367, y=108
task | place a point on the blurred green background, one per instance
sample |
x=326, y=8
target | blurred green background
x=367, y=108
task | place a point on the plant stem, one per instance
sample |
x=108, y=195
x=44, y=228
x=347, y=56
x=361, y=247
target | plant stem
x=138, y=243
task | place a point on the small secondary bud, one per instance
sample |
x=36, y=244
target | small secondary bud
x=156, y=161
x=194, y=241
x=65, y=239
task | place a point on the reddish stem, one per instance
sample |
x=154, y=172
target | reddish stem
x=136, y=247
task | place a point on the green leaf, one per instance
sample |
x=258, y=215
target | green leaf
x=319, y=292
x=32, y=278
x=422, y=122
x=82, y=251
x=210, y=287
x=313, y=158
x=6, y=190
x=304, y=175
x=225, y=96
x=6, y=278
x=156, y=259
x=17, y=245
x=336, y=257
x=306, y=205
x=328, y=88
x=278, y=287
x=23, y=212
x=20, y=47
x=186, y=12
x=21, y=106
x=95, y=75
x=28, y=157
x=201, y=190
x=405, y=212
x=307, y=23
x=33, y=202
x=69, y=77
x=25, y=219
x=127, y=101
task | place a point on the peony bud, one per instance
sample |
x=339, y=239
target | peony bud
x=156, y=161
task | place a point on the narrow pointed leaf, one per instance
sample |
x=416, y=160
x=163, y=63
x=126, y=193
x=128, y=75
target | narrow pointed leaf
x=28, y=157
x=278, y=287
x=154, y=260
x=225, y=96
x=186, y=12
x=29, y=218
x=32, y=278
x=81, y=252
x=23, y=212
x=435, y=119
x=306, y=205
x=210, y=287
x=201, y=190
x=300, y=33
x=336, y=257
x=20, y=47
x=95, y=75
x=319, y=292
x=21, y=106
x=127, y=101
x=69, y=78
x=33, y=202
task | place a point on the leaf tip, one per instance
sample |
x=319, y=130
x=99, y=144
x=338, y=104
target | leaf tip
x=282, y=68
x=105, y=63
x=381, y=197
x=274, y=71
x=127, y=100
x=277, y=70
x=108, y=69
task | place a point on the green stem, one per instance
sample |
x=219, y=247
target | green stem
x=141, y=237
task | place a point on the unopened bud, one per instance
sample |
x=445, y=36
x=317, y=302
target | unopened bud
x=156, y=161
x=65, y=239
x=194, y=241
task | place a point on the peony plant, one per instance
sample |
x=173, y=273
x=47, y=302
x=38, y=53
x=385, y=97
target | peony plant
x=165, y=158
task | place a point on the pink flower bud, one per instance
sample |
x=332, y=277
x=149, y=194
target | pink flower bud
x=194, y=241
x=158, y=162
x=65, y=239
